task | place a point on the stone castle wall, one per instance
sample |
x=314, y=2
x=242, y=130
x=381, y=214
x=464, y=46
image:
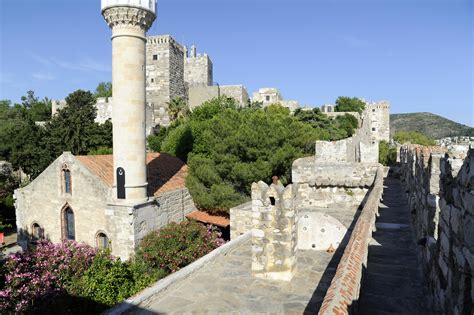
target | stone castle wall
x=345, y=285
x=198, y=69
x=164, y=75
x=440, y=190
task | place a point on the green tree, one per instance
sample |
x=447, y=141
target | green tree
x=178, y=108
x=349, y=104
x=104, y=89
x=413, y=137
x=387, y=153
x=73, y=128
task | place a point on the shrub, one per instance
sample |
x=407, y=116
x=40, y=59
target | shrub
x=41, y=273
x=413, y=137
x=387, y=153
x=109, y=280
x=349, y=104
x=177, y=245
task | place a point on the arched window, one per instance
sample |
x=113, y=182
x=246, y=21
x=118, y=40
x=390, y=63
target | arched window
x=102, y=240
x=69, y=232
x=37, y=231
x=66, y=173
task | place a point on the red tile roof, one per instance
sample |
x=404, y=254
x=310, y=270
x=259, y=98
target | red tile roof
x=165, y=172
x=205, y=217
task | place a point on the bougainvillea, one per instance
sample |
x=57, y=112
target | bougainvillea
x=41, y=273
x=72, y=277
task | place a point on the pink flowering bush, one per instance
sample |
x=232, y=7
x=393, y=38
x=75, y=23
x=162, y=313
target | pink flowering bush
x=42, y=273
x=73, y=278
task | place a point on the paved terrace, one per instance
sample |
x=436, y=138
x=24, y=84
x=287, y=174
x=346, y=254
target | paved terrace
x=226, y=286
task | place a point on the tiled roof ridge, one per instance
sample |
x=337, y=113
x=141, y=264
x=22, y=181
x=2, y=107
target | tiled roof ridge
x=165, y=172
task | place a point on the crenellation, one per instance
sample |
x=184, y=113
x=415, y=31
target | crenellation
x=439, y=187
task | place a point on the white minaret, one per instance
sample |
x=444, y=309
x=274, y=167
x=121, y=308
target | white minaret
x=129, y=21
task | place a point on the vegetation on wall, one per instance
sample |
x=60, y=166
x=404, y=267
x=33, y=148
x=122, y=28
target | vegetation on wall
x=349, y=104
x=227, y=148
x=413, y=137
x=387, y=153
x=73, y=278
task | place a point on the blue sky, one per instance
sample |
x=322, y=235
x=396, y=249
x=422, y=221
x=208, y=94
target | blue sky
x=416, y=54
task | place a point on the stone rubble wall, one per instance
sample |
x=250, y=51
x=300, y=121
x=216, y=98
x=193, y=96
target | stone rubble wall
x=363, y=146
x=440, y=191
x=345, y=286
x=274, y=231
x=169, y=207
x=237, y=92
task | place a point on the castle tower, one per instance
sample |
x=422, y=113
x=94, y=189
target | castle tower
x=165, y=75
x=198, y=69
x=129, y=21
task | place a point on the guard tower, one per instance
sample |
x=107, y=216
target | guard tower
x=129, y=21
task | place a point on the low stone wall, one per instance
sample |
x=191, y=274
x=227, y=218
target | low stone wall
x=345, y=286
x=241, y=219
x=169, y=207
x=440, y=191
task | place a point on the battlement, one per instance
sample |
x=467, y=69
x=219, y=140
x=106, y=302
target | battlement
x=377, y=105
x=164, y=40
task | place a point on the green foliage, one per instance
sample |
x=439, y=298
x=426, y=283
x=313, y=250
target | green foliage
x=109, y=280
x=328, y=128
x=179, y=142
x=387, y=153
x=176, y=245
x=104, y=89
x=413, y=137
x=38, y=110
x=8, y=183
x=227, y=148
x=348, y=123
x=101, y=151
x=32, y=148
x=349, y=104
x=154, y=141
x=178, y=108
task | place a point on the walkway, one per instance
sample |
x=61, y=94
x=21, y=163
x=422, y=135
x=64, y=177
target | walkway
x=393, y=282
x=226, y=286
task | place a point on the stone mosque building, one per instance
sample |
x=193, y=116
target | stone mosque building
x=111, y=200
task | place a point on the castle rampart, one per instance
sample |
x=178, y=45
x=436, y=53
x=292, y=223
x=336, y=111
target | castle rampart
x=440, y=190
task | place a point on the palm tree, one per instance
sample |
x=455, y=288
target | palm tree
x=178, y=108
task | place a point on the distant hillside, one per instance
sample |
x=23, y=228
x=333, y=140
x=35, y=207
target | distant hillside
x=431, y=125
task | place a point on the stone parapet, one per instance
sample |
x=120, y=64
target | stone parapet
x=333, y=174
x=440, y=190
x=345, y=286
x=241, y=219
x=274, y=231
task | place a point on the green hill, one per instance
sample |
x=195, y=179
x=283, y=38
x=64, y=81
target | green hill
x=429, y=124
